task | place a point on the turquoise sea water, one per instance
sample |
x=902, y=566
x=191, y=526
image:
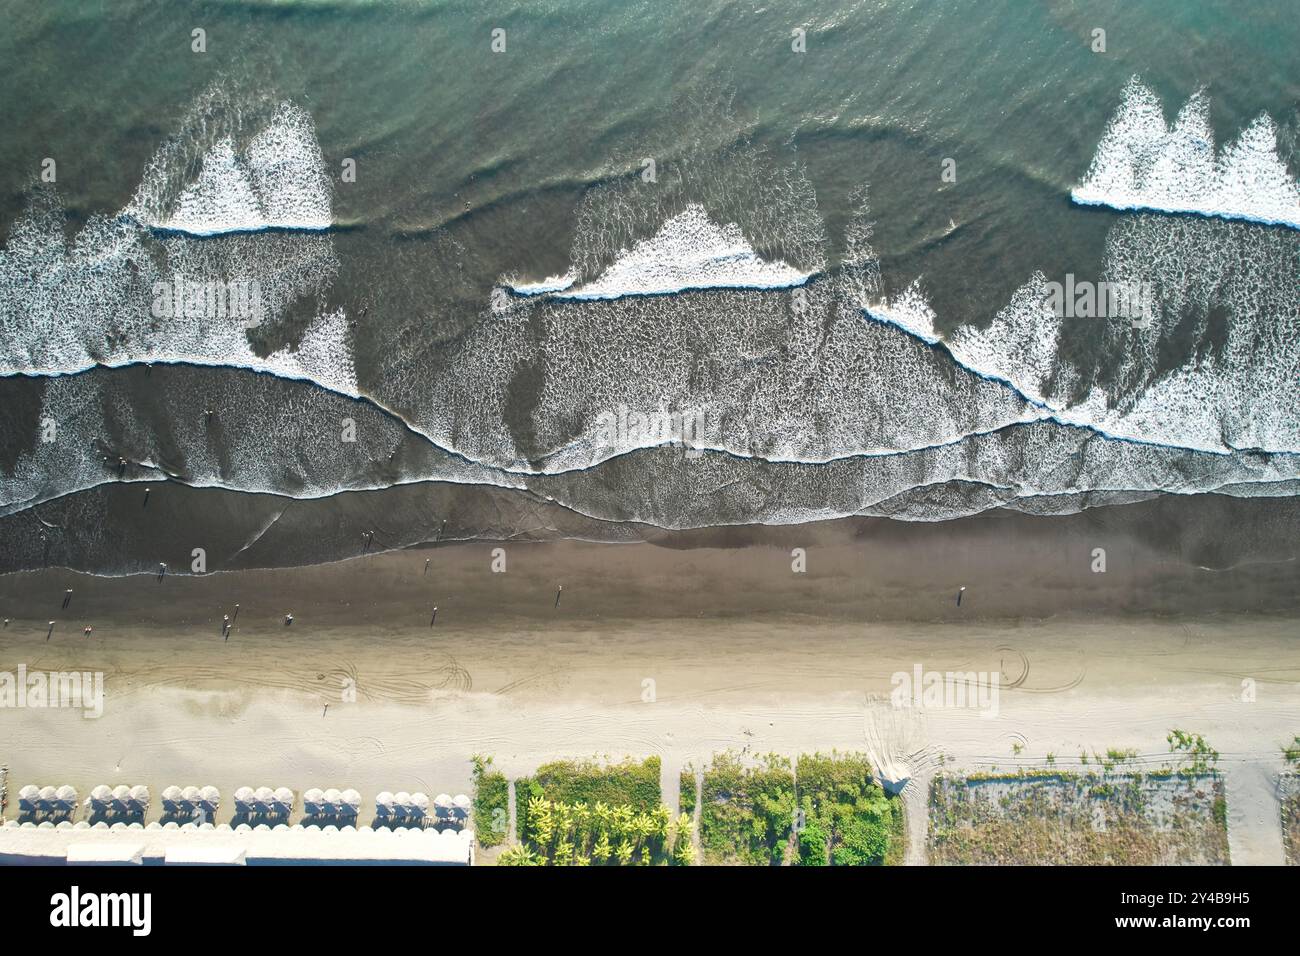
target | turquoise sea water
x=474, y=165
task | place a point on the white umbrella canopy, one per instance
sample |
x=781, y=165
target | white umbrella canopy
x=140, y=795
x=420, y=801
x=28, y=796
x=352, y=799
x=121, y=796
x=461, y=810
x=313, y=795
x=170, y=795
x=284, y=797
x=385, y=799
x=264, y=795
x=402, y=801
x=210, y=795
x=48, y=795
x=333, y=798
x=67, y=794
x=244, y=795
x=101, y=794
x=443, y=801
x=190, y=794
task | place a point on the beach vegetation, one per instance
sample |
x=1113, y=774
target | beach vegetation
x=491, y=803
x=1042, y=816
x=839, y=795
x=589, y=813
x=747, y=812
x=1198, y=757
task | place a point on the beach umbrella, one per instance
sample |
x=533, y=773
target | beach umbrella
x=121, y=797
x=101, y=794
x=170, y=797
x=210, y=796
x=67, y=795
x=420, y=801
x=284, y=798
x=190, y=795
x=263, y=797
x=384, y=804
x=47, y=796
x=140, y=796
x=402, y=802
x=28, y=796
x=312, y=799
x=243, y=797
x=351, y=800
x=461, y=810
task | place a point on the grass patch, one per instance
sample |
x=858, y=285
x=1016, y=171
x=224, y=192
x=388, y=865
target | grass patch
x=1164, y=818
x=1290, y=792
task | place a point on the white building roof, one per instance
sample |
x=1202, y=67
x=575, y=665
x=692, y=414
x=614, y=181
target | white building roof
x=206, y=843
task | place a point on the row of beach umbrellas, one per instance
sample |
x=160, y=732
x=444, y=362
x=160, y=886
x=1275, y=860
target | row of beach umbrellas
x=331, y=802
x=277, y=802
x=263, y=800
x=188, y=799
x=120, y=799
x=416, y=805
x=47, y=799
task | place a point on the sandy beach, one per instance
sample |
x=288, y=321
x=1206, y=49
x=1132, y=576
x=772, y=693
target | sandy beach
x=677, y=651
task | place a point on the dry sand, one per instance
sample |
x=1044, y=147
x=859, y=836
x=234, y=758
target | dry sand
x=742, y=653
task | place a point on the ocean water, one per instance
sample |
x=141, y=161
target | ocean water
x=649, y=263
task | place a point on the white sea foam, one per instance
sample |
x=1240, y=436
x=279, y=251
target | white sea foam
x=690, y=251
x=1235, y=386
x=219, y=428
x=66, y=307
x=549, y=284
x=910, y=310
x=1141, y=163
x=814, y=412
x=277, y=181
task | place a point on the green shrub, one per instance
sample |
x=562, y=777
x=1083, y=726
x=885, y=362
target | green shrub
x=838, y=793
x=812, y=845
x=629, y=783
x=747, y=813
x=686, y=791
x=491, y=803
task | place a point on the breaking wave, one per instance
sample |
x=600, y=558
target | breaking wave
x=1143, y=163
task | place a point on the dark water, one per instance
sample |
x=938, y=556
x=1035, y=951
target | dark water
x=477, y=172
